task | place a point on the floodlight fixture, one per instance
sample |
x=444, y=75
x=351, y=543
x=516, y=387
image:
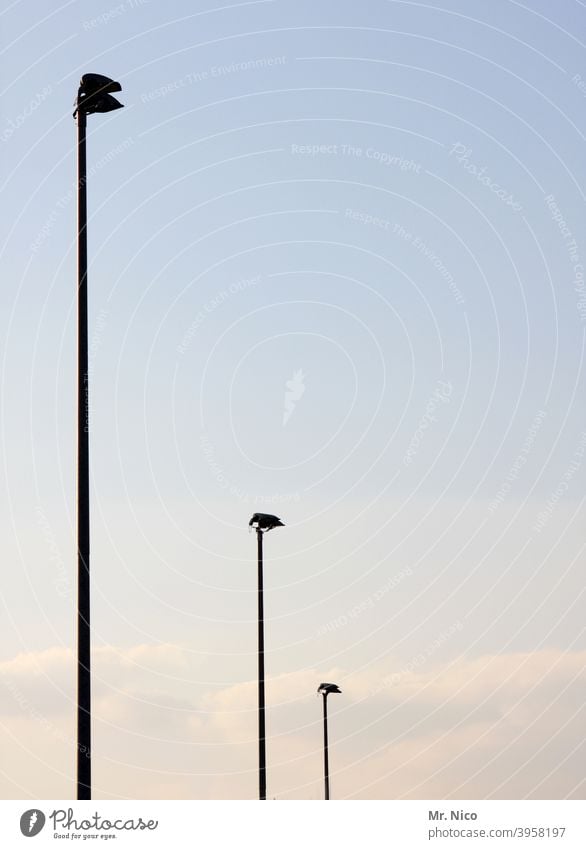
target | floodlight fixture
x=94, y=94
x=265, y=522
x=325, y=689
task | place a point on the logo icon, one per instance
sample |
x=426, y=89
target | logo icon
x=31, y=822
x=294, y=391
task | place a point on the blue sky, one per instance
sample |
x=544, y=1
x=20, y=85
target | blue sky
x=337, y=273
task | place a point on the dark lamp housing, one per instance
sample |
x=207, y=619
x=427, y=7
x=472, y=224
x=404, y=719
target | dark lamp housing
x=265, y=522
x=326, y=689
x=94, y=94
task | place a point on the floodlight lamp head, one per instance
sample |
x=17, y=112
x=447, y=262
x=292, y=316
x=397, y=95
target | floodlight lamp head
x=325, y=689
x=265, y=522
x=94, y=94
x=98, y=82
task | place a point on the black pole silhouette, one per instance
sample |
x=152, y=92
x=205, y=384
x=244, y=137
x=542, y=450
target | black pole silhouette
x=325, y=690
x=326, y=762
x=262, y=756
x=92, y=97
x=262, y=522
x=84, y=764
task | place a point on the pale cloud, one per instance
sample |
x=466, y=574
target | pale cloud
x=505, y=726
x=500, y=725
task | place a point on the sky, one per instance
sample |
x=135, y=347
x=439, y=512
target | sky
x=336, y=274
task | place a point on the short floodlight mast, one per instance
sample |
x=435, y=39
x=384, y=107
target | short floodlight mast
x=325, y=690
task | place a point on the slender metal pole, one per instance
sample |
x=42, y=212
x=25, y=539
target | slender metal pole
x=84, y=775
x=262, y=764
x=326, y=764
